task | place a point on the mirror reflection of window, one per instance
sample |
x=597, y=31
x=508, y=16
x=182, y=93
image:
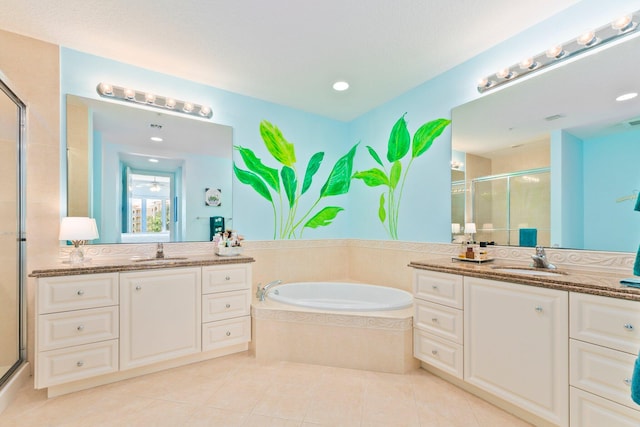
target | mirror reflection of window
x=149, y=207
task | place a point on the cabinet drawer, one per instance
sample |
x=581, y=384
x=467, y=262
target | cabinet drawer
x=605, y=321
x=588, y=410
x=441, y=288
x=225, y=305
x=77, y=292
x=227, y=278
x=602, y=371
x=435, y=351
x=445, y=322
x=225, y=333
x=76, y=363
x=70, y=328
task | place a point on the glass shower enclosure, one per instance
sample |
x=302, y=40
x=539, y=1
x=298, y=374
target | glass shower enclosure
x=513, y=209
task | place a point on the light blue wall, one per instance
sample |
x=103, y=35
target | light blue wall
x=611, y=172
x=425, y=209
x=567, y=191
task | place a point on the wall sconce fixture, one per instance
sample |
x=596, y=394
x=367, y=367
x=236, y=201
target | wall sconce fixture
x=108, y=90
x=621, y=27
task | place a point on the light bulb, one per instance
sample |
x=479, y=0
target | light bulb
x=623, y=23
x=106, y=89
x=587, y=39
x=555, y=52
x=129, y=93
x=188, y=107
x=170, y=103
x=150, y=98
x=205, y=111
x=340, y=86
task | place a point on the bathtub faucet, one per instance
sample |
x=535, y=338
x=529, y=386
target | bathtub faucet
x=261, y=293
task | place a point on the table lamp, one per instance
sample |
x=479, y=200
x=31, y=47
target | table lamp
x=78, y=230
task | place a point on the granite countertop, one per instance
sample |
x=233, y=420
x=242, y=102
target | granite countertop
x=136, y=264
x=584, y=281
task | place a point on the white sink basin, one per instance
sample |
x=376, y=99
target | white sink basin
x=528, y=272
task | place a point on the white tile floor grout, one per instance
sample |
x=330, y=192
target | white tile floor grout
x=238, y=391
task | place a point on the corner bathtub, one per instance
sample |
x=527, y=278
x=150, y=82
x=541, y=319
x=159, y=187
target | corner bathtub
x=346, y=325
x=341, y=296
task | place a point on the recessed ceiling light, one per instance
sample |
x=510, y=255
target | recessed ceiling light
x=340, y=86
x=154, y=160
x=156, y=139
x=627, y=96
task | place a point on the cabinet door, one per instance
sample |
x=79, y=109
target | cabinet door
x=159, y=315
x=516, y=345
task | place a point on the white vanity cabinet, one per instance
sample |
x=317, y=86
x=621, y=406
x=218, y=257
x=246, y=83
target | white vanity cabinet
x=76, y=328
x=160, y=315
x=226, y=306
x=604, y=344
x=438, y=320
x=516, y=345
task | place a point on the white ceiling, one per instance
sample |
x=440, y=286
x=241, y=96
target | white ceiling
x=284, y=51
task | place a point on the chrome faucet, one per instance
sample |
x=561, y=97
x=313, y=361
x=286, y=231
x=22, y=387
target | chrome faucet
x=159, y=251
x=261, y=293
x=540, y=259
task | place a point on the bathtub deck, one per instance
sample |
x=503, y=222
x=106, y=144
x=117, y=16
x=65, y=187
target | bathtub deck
x=376, y=341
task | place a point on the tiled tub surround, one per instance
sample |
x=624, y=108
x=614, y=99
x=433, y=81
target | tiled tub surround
x=376, y=341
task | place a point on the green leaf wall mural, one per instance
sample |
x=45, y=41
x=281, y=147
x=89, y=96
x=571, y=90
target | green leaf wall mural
x=394, y=175
x=282, y=188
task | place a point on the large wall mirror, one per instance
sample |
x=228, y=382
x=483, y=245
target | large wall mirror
x=147, y=176
x=553, y=159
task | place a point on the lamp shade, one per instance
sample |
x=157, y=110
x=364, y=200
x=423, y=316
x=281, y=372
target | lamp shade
x=455, y=228
x=78, y=228
x=470, y=227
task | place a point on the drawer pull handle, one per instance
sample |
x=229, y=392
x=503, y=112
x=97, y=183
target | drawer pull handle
x=434, y=320
x=80, y=292
x=434, y=352
x=80, y=327
x=435, y=287
x=627, y=381
x=228, y=305
x=628, y=326
x=227, y=278
x=79, y=363
x=538, y=309
x=138, y=287
x=228, y=333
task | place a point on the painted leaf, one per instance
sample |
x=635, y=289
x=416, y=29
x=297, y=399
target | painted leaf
x=254, y=164
x=372, y=177
x=382, y=213
x=339, y=179
x=399, y=141
x=289, y=182
x=375, y=156
x=324, y=217
x=254, y=181
x=312, y=168
x=281, y=149
x=426, y=134
x=396, y=171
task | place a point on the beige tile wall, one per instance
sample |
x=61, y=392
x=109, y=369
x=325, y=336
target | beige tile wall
x=31, y=68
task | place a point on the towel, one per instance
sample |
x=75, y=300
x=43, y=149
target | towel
x=631, y=282
x=637, y=208
x=635, y=382
x=636, y=265
x=528, y=237
x=216, y=226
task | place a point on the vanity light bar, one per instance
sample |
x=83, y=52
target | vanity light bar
x=621, y=27
x=108, y=90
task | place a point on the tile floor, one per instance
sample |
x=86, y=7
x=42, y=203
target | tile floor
x=237, y=390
